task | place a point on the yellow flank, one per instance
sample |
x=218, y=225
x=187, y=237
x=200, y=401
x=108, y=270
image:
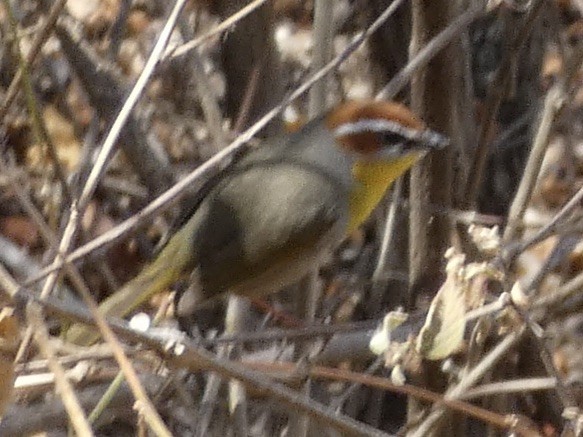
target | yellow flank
x=373, y=178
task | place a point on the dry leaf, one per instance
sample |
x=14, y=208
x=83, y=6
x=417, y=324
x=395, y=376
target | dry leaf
x=485, y=238
x=443, y=332
x=464, y=289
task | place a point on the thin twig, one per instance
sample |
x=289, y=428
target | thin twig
x=187, y=355
x=554, y=102
x=498, y=89
x=27, y=204
x=247, y=101
x=118, y=27
x=470, y=379
x=106, y=90
x=569, y=288
x=310, y=290
x=174, y=52
x=512, y=251
x=39, y=40
x=38, y=123
x=430, y=50
x=422, y=394
x=209, y=398
x=561, y=250
x=64, y=387
x=208, y=99
x=338, y=401
x=106, y=399
x=78, y=207
x=323, y=49
x=309, y=332
x=388, y=233
x=527, y=385
x=144, y=405
x=382, y=383
x=237, y=311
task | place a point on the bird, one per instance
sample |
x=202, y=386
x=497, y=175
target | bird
x=273, y=216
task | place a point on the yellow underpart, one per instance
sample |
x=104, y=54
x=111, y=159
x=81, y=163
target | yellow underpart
x=373, y=179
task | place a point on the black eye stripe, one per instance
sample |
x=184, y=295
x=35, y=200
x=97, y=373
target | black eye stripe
x=388, y=137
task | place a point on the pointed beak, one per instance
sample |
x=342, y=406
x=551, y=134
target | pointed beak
x=422, y=143
x=432, y=140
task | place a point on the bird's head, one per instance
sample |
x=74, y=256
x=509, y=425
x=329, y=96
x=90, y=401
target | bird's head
x=385, y=139
x=381, y=131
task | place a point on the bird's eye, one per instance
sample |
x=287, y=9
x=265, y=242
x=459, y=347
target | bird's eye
x=389, y=137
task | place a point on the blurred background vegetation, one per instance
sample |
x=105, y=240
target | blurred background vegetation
x=502, y=79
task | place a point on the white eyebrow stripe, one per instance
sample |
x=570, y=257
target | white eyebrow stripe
x=382, y=125
x=375, y=125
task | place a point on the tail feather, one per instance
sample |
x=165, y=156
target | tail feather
x=166, y=269
x=156, y=277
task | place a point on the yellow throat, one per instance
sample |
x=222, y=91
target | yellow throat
x=372, y=179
